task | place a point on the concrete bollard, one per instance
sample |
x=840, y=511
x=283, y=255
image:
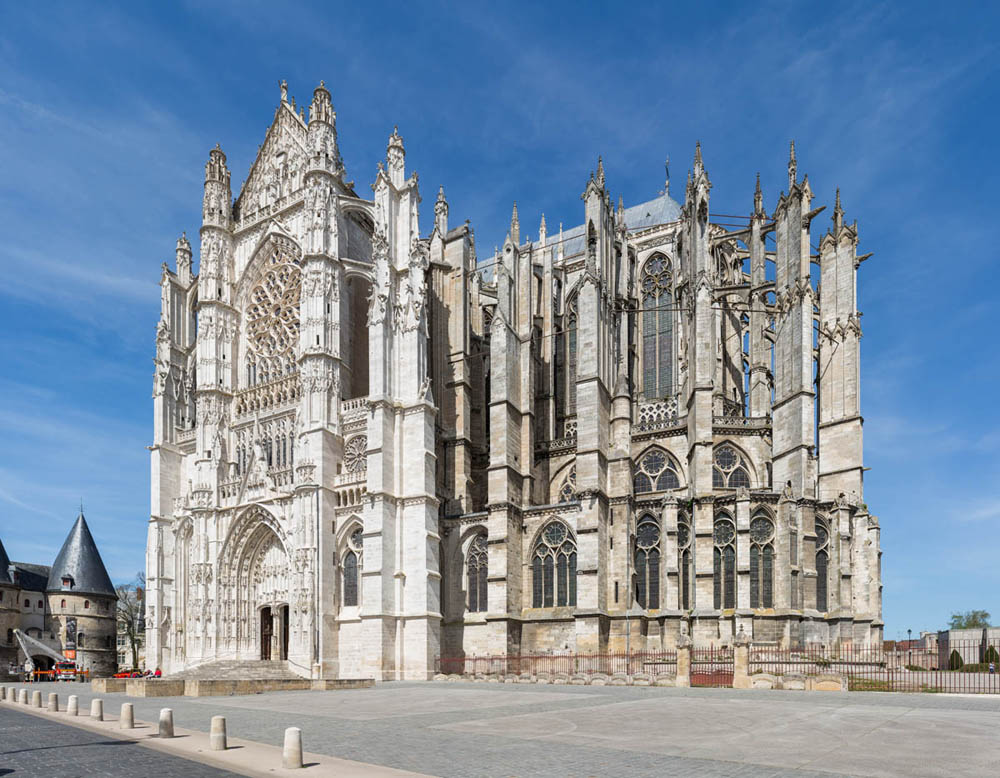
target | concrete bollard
x=3, y=693
x=97, y=709
x=73, y=705
x=53, y=702
x=127, y=719
x=166, y=723
x=36, y=699
x=22, y=697
x=218, y=733
x=291, y=754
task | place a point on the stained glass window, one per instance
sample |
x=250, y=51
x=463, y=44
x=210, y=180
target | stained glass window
x=761, y=563
x=350, y=579
x=647, y=562
x=822, y=568
x=655, y=472
x=730, y=471
x=724, y=568
x=477, y=566
x=657, y=328
x=554, y=567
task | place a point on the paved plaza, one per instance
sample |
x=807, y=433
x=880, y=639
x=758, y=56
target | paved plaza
x=483, y=729
x=30, y=745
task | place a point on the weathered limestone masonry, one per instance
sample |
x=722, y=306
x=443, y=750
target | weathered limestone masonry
x=372, y=450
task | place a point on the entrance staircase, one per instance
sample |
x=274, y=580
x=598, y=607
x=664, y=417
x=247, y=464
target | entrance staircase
x=238, y=670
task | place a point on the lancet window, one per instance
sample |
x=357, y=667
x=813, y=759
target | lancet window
x=477, y=565
x=730, y=469
x=822, y=567
x=761, y=563
x=351, y=563
x=655, y=472
x=553, y=567
x=647, y=562
x=724, y=572
x=657, y=328
x=684, y=563
x=567, y=491
x=566, y=361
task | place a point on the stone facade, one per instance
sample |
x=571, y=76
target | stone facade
x=68, y=606
x=372, y=449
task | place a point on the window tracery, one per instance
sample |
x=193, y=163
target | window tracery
x=553, y=567
x=684, y=562
x=730, y=470
x=356, y=454
x=351, y=563
x=761, y=563
x=822, y=567
x=272, y=317
x=657, y=328
x=566, y=361
x=647, y=562
x=655, y=472
x=567, y=492
x=477, y=566
x=724, y=570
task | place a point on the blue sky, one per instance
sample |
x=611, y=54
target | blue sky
x=107, y=114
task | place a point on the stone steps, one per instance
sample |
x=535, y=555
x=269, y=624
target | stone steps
x=237, y=670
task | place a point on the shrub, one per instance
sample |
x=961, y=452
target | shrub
x=955, y=661
x=915, y=668
x=992, y=655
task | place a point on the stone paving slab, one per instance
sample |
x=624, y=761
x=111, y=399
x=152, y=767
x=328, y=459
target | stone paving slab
x=472, y=729
x=30, y=745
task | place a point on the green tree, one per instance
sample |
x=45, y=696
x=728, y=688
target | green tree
x=969, y=620
x=992, y=655
x=955, y=661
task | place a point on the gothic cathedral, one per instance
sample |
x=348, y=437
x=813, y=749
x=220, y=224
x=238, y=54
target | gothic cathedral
x=373, y=450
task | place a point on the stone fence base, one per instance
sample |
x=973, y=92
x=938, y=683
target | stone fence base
x=166, y=687
x=595, y=679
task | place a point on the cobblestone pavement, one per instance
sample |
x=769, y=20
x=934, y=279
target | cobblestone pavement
x=30, y=745
x=482, y=729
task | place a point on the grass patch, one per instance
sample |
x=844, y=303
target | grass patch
x=868, y=685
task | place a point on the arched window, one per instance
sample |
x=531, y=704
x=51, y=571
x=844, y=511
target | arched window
x=86, y=604
x=477, y=567
x=567, y=492
x=730, y=471
x=351, y=563
x=655, y=472
x=657, y=328
x=822, y=567
x=565, y=363
x=761, y=563
x=684, y=563
x=62, y=603
x=647, y=562
x=553, y=567
x=724, y=582
x=80, y=639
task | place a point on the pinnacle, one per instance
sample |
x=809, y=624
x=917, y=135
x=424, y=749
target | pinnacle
x=697, y=154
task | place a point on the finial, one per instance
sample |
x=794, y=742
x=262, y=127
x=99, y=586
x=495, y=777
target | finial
x=697, y=154
x=441, y=193
x=322, y=83
x=513, y=214
x=791, y=166
x=838, y=213
x=666, y=170
x=758, y=199
x=600, y=172
x=541, y=227
x=284, y=90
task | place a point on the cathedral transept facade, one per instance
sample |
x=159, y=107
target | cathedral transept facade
x=374, y=448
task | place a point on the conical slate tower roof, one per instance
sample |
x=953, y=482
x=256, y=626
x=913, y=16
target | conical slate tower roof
x=80, y=561
x=4, y=564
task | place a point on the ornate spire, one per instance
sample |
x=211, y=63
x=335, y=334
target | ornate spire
x=758, y=199
x=792, y=166
x=321, y=108
x=620, y=215
x=515, y=226
x=542, y=231
x=838, y=214
x=395, y=155
x=600, y=172
x=697, y=156
x=284, y=90
x=441, y=213
x=666, y=180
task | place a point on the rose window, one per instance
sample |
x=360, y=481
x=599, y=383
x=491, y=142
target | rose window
x=356, y=454
x=273, y=313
